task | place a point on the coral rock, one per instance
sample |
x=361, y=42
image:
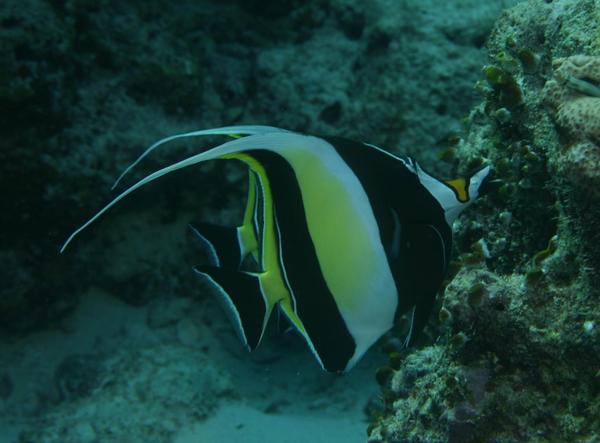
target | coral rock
x=581, y=166
x=574, y=97
x=574, y=94
x=581, y=117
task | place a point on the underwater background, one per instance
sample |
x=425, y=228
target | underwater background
x=117, y=340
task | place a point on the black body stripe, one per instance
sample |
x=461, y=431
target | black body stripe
x=390, y=185
x=315, y=305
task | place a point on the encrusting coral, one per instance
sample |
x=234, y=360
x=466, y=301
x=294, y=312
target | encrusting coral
x=574, y=94
x=574, y=98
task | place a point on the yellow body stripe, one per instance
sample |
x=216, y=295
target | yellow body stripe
x=271, y=277
x=459, y=186
x=345, y=251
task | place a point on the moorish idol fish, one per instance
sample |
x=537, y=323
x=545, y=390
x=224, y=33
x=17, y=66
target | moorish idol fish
x=346, y=237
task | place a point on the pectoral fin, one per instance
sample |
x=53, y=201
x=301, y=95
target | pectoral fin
x=423, y=266
x=420, y=316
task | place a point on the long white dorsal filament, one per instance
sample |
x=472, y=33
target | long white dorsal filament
x=225, y=130
x=266, y=140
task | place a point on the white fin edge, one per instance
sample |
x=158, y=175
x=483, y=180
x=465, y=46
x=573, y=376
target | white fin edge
x=231, y=309
x=410, y=329
x=211, y=249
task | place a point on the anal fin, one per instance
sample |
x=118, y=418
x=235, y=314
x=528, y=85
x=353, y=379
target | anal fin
x=244, y=300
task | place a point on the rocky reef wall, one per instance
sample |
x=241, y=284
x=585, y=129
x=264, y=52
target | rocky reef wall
x=517, y=354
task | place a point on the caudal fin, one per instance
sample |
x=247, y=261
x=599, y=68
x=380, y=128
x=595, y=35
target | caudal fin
x=244, y=300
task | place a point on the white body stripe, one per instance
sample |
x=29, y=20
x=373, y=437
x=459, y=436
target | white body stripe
x=346, y=237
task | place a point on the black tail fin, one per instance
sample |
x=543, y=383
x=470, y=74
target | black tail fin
x=222, y=242
x=244, y=300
